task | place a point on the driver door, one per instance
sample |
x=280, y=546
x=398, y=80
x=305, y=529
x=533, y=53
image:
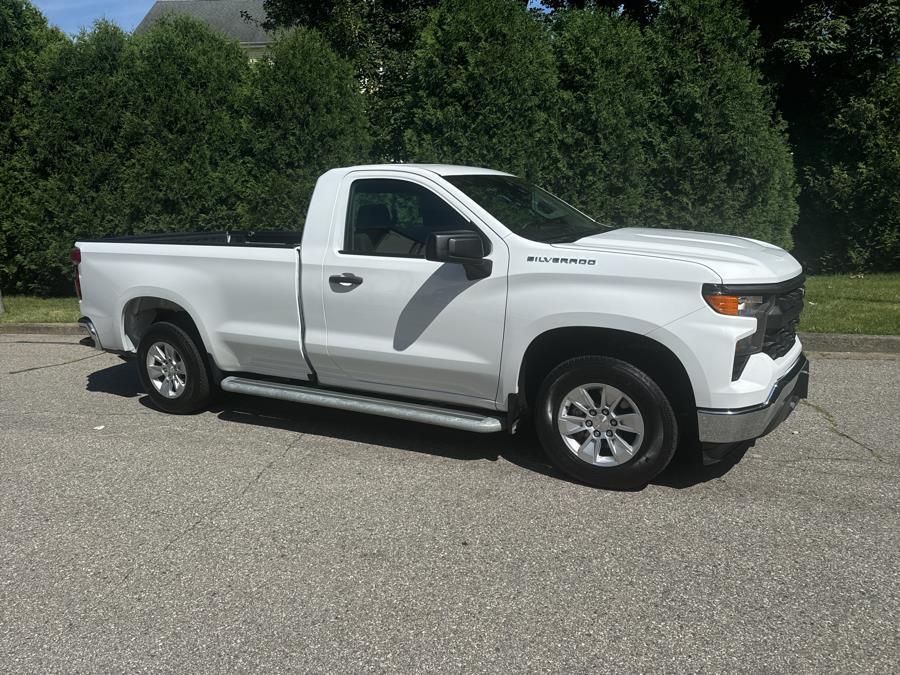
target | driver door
x=398, y=323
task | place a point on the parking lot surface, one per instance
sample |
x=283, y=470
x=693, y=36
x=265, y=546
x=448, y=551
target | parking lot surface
x=262, y=535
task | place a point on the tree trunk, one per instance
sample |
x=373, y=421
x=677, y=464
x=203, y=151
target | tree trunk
x=1, y=303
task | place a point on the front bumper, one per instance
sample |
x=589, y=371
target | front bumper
x=743, y=424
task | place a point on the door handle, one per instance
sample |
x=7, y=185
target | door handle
x=347, y=278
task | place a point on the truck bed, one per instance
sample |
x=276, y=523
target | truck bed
x=265, y=238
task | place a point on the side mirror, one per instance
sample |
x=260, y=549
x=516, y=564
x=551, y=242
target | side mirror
x=462, y=247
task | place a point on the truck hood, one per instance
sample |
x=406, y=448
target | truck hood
x=737, y=260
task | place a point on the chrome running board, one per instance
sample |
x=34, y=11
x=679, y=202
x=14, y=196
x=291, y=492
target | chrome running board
x=413, y=412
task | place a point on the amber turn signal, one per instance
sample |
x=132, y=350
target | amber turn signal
x=725, y=304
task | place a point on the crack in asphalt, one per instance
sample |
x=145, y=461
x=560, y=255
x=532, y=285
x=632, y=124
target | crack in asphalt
x=833, y=427
x=39, y=342
x=54, y=365
x=80, y=414
x=219, y=508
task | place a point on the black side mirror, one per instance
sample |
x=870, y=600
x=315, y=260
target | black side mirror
x=463, y=247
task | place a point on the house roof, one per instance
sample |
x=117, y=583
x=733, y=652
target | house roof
x=223, y=16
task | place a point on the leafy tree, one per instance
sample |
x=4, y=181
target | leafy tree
x=826, y=57
x=308, y=116
x=609, y=105
x=854, y=196
x=369, y=34
x=724, y=163
x=482, y=90
x=642, y=11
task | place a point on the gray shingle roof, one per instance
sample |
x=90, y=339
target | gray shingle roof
x=222, y=15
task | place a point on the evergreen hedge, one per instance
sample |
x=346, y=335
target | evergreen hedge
x=171, y=130
x=662, y=121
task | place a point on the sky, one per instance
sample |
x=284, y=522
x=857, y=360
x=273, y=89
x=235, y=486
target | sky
x=72, y=15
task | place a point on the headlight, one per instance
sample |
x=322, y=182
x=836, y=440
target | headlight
x=735, y=305
x=755, y=306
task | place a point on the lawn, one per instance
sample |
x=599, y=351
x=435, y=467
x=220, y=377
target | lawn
x=867, y=304
x=27, y=309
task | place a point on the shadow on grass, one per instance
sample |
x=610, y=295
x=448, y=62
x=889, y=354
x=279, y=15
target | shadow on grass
x=523, y=449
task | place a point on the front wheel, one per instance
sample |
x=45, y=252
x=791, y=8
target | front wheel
x=172, y=369
x=605, y=422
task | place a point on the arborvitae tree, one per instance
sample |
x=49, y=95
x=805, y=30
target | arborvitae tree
x=129, y=134
x=482, y=90
x=724, y=164
x=184, y=128
x=307, y=116
x=74, y=156
x=24, y=35
x=377, y=38
x=609, y=116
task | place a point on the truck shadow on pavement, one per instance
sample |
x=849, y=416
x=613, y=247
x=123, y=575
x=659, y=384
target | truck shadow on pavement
x=523, y=449
x=120, y=380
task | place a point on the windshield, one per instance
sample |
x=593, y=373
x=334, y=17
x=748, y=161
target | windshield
x=526, y=209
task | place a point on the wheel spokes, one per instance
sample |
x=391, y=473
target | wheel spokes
x=631, y=422
x=581, y=399
x=166, y=369
x=621, y=451
x=614, y=399
x=592, y=413
x=571, y=424
x=588, y=450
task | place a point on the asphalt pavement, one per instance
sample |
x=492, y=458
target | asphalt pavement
x=267, y=536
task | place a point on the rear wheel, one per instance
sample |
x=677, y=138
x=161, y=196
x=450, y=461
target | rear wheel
x=172, y=370
x=605, y=422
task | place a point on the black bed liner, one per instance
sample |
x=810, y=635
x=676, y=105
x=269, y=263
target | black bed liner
x=266, y=238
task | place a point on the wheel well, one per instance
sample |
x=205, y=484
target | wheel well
x=550, y=349
x=141, y=313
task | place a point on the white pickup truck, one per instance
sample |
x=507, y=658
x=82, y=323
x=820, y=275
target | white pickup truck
x=466, y=298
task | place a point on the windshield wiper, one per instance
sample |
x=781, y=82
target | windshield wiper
x=563, y=238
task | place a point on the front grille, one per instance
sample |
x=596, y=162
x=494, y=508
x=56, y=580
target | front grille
x=781, y=323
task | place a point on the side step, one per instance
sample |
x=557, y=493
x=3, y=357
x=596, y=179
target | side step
x=442, y=417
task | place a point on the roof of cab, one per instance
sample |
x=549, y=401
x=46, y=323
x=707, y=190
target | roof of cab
x=440, y=169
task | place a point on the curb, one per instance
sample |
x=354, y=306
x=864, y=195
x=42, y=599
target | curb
x=40, y=329
x=812, y=342
x=837, y=342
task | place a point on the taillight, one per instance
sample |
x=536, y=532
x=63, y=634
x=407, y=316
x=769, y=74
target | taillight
x=75, y=257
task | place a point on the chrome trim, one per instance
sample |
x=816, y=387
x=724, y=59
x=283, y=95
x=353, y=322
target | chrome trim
x=413, y=412
x=87, y=326
x=742, y=424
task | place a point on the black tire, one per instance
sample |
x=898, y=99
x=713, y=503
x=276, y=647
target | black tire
x=195, y=394
x=660, y=428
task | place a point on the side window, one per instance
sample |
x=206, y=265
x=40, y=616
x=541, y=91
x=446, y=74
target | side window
x=394, y=218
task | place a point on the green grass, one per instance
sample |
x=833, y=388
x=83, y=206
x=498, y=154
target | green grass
x=27, y=309
x=867, y=304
